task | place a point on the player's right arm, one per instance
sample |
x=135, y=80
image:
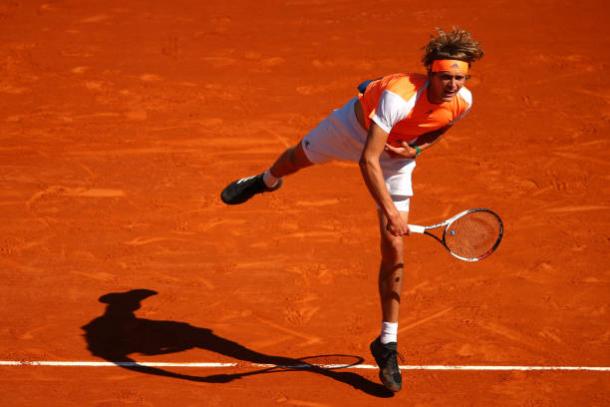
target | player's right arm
x=373, y=178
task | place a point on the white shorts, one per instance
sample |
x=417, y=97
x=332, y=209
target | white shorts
x=341, y=137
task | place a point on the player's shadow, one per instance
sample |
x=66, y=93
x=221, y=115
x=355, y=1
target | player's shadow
x=119, y=333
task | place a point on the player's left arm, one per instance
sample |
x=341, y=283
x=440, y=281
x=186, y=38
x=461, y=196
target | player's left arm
x=423, y=142
x=426, y=140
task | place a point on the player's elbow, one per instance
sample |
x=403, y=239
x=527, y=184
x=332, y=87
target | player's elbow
x=368, y=163
x=364, y=162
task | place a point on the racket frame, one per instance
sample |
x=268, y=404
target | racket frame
x=419, y=229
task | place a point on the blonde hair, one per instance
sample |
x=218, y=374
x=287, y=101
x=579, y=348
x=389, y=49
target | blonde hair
x=456, y=44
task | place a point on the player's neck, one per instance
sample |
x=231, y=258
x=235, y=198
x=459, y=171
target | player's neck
x=434, y=99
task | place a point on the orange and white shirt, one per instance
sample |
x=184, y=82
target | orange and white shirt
x=399, y=104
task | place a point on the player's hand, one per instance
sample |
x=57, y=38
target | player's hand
x=397, y=226
x=404, y=150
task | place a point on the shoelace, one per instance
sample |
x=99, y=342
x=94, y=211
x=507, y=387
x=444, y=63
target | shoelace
x=394, y=360
x=400, y=357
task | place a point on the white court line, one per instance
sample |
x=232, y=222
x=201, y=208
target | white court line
x=362, y=366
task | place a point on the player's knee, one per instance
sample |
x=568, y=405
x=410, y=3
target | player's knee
x=392, y=250
x=299, y=158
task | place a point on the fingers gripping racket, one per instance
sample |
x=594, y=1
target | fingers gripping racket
x=471, y=235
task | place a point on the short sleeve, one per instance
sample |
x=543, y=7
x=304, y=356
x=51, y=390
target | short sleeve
x=466, y=96
x=390, y=110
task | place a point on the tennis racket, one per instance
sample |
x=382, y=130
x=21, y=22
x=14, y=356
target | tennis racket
x=471, y=235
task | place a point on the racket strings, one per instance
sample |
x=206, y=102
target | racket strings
x=474, y=235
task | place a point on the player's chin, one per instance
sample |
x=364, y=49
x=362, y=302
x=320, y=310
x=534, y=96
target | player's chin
x=448, y=97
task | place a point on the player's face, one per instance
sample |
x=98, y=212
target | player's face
x=444, y=86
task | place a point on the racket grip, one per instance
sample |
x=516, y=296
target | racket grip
x=417, y=229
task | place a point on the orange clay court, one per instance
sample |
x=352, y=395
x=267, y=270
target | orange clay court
x=121, y=122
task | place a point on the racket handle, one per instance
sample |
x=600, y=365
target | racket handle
x=417, y=229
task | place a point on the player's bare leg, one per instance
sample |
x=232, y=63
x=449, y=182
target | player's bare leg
x=384, y=348
x=290, y=161
x=390, y=270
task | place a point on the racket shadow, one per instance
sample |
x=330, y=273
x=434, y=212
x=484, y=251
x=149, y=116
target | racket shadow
x=119, y=333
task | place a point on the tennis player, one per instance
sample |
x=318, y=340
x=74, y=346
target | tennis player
x=392, y=121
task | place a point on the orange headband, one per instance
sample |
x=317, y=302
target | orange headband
x=450, y=65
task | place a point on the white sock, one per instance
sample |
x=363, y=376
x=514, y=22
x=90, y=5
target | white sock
x=269, y=179
x=389, y=332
